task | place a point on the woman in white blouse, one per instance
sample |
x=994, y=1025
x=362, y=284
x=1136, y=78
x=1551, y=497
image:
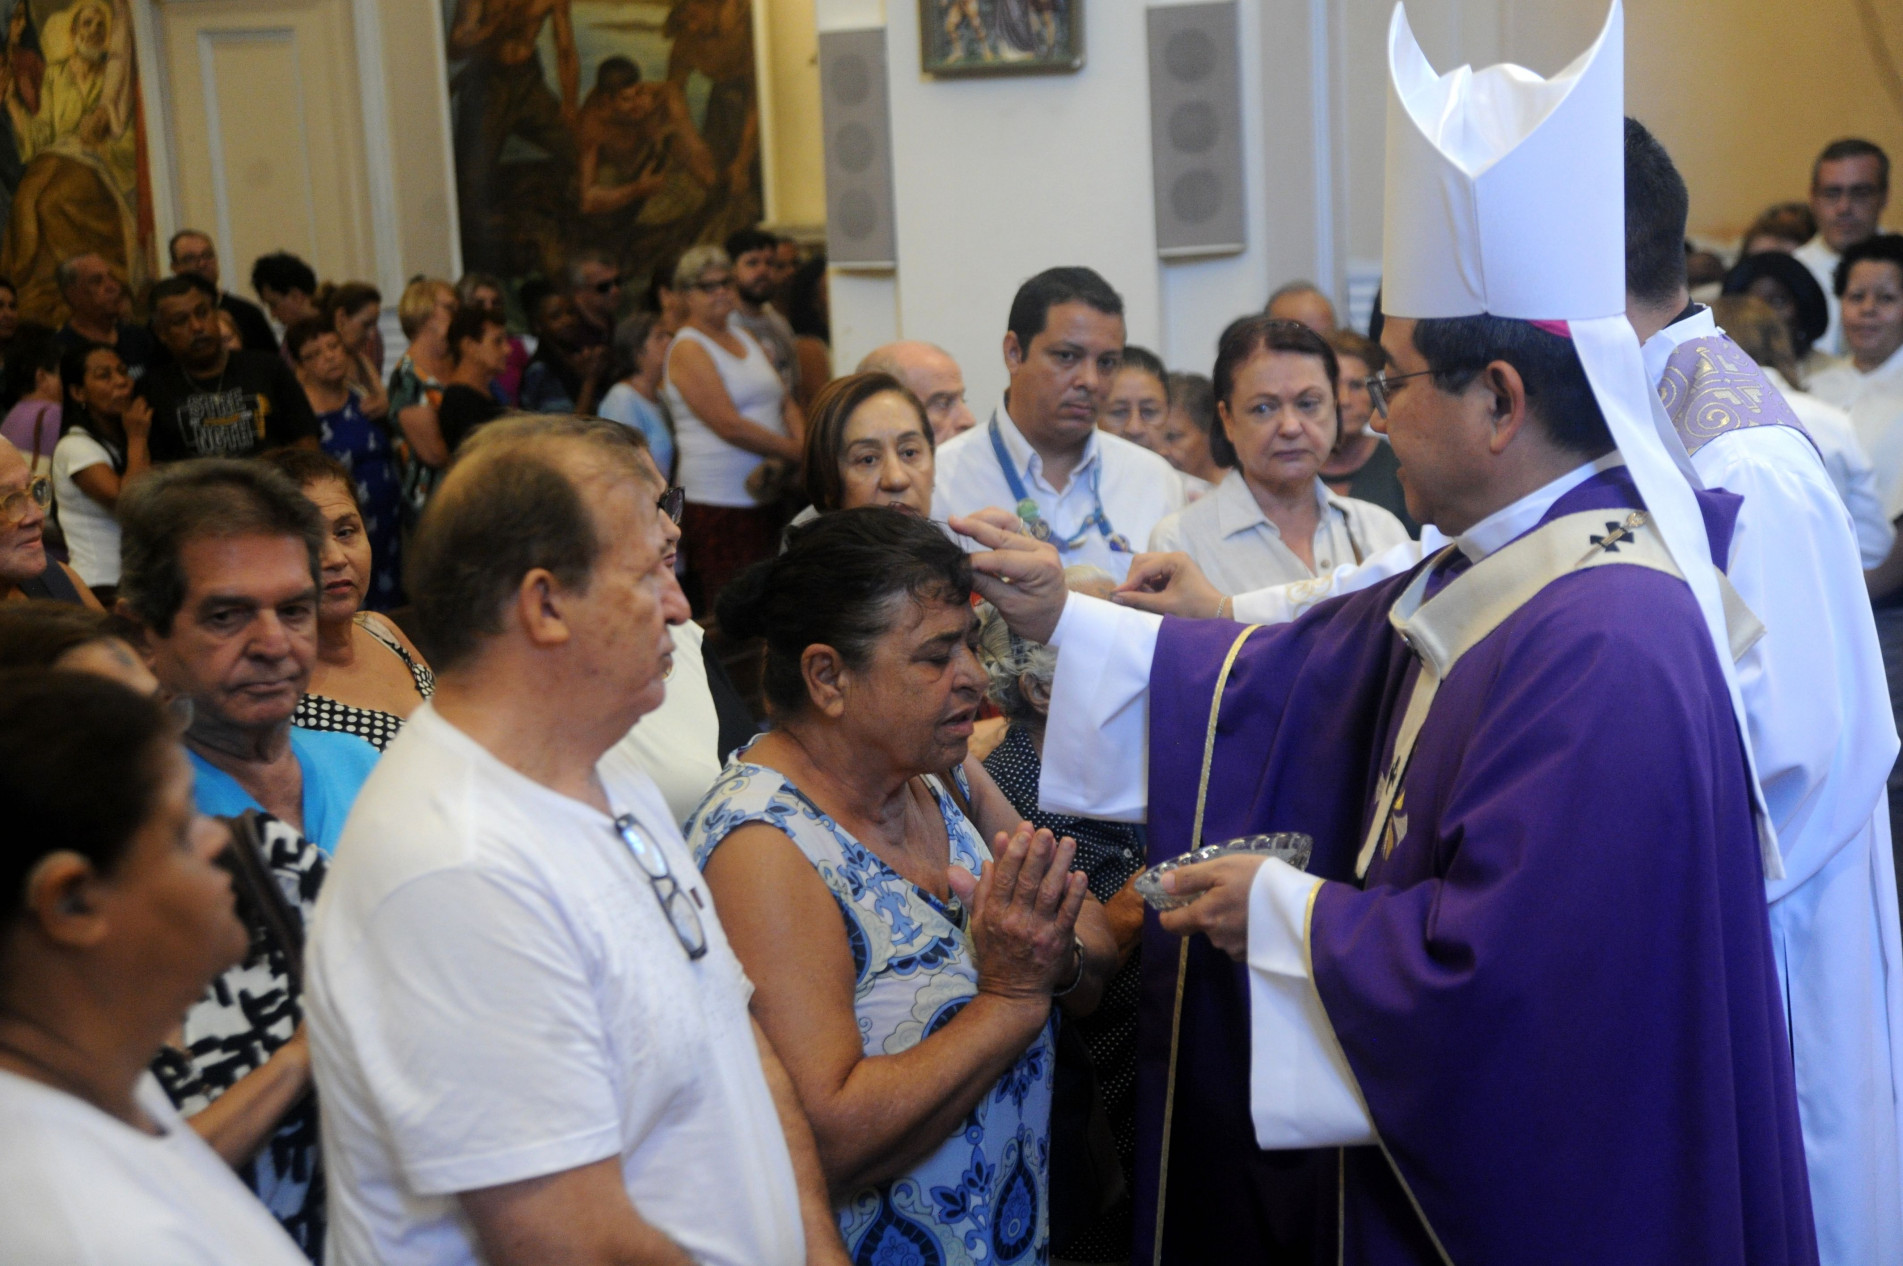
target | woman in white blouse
x=1271, y=520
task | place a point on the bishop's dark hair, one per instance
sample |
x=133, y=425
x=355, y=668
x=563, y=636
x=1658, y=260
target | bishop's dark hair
x=1558, y=393
x=1657, y=206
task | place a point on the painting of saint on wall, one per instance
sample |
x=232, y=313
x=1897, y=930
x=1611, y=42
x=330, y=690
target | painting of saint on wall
x=626, y=126
x=72, y=158
x=1001, y=37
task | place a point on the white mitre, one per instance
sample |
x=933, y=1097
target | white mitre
x=1506, y=196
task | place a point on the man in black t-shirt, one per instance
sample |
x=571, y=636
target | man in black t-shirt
x=208, y=401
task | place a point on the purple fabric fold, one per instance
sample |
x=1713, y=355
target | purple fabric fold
x=1557, y=993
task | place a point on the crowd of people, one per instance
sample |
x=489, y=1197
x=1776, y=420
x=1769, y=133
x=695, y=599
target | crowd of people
x=396, y=872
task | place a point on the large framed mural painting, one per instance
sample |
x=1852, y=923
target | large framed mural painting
x=73, y=176
x=625, y=126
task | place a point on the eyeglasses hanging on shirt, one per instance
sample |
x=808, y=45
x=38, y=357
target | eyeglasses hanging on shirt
x=677, y=902
x=1034, y=522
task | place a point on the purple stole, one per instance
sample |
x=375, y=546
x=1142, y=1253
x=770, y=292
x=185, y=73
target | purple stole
x=1711, y=387
x=1557, y=994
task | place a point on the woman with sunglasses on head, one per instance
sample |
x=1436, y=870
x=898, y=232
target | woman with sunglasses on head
x=737, y=431
x=1272, y=520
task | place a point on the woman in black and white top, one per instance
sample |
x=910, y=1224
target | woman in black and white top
x=102, y=448
x=368, y=677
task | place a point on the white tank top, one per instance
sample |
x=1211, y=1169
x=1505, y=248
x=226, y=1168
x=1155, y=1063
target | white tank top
x=714, y=472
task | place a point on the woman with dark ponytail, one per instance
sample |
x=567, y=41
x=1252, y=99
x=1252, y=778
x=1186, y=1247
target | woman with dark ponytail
x=918, y=1029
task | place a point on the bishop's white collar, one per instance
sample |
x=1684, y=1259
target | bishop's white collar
x=1507, y=525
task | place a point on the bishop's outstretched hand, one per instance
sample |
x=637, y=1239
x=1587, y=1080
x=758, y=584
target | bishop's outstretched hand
x=1169, y=584
x=1018, y=574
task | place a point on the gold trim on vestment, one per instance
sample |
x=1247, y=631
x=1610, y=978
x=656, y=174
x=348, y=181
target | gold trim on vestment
x=1182, y=957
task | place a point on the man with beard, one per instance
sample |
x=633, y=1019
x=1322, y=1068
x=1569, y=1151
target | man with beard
x=755, y=254
x=209, y=401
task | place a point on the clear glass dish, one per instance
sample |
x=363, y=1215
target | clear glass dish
x=1291, y=846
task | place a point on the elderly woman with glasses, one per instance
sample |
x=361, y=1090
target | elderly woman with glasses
x=905, y=971
x=736, y=431
x=26, y=569
x=1272, y=519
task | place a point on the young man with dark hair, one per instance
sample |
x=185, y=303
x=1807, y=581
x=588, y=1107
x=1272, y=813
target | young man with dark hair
x=287, y=285
x=209, y=401
x=192, y=251
x=1849, y=187
x=1094, y=495
x=755, y=255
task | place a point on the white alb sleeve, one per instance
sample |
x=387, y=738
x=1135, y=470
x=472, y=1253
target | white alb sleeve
x=1279, y=604
x=1097, y=739
x=1301, y=1091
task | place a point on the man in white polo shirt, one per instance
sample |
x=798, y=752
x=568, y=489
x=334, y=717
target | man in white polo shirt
x=530, y=1037
x=1092, y=495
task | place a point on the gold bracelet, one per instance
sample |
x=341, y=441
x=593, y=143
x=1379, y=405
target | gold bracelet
x=1226, y=609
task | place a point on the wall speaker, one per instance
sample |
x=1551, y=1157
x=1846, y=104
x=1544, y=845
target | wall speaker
x=858, y=121
x=1196, y=129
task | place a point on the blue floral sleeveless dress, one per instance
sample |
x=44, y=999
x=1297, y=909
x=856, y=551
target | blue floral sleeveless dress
x=982, y=1196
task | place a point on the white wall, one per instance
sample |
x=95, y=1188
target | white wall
x=997, y=179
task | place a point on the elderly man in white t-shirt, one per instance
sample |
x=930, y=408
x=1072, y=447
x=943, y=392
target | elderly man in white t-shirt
x=530, y=1037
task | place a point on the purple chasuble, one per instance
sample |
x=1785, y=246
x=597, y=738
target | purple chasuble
x=1557, y=993
x=1711, y=386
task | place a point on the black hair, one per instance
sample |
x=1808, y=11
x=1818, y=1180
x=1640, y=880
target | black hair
x=1242, y=340
x=1883, y=248
x=616, y=73
x=34, y=351
x=1657, y=205
x=163, y=511
x=1031, y=307
x=283, y=272
x=741, y=241
x=72, y=375
x=80, y=771
x=1558, y=392
x=1813, y=313
x=469, y=325
x=37, y=632
x=1854, y=147
x=839, y=584
x=307, y=466
x=177, y=286
x=1146, y=361
x=803, y=310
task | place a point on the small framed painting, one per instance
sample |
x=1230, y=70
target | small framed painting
x=1001, y=37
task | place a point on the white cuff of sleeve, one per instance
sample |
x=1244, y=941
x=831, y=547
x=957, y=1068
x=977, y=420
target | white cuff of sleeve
x=1097, y=737
x=1301, y=1091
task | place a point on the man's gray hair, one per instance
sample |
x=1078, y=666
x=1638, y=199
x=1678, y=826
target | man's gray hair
x=697, y=260
x=880, y=361
x=66, y=276
x=1294, y=288
x=1008, y=659
x=168, y=508
x=508, y=507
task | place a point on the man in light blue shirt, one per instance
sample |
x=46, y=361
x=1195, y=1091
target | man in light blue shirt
x=221, y=570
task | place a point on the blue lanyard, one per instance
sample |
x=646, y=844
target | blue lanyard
x=1034, y=522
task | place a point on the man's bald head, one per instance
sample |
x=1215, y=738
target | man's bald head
x=1301, y=301
x=930, y=373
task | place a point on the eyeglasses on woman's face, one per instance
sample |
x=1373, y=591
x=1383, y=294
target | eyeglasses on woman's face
x=13, y=506
x=713, y=285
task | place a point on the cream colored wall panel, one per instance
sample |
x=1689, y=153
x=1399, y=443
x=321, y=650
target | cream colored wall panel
x=268, y=132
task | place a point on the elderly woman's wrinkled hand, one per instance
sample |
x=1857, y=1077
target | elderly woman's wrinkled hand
x=1222, y=911
x=1024, y=911
x=1020, y=575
